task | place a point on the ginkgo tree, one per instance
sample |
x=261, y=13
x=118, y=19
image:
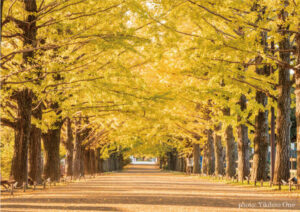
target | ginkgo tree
x=159, y=78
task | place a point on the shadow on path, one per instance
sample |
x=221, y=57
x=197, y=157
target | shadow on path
x=145, y=188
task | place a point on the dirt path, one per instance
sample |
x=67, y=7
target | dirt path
x=145, y=188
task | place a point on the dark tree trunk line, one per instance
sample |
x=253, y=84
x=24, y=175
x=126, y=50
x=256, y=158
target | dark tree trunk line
x=230, y=152
x=208, y=162
x=101, y=169
x=19, y=169
x=230, y=148
x=243, y=152
x=261, y=139
x=218, y=152
x=93, y=162
x=297, y=92
x=243, y=145
x=169, y=160
x=77, y=151
x=35, y=157
x=69, y=148
x=283, y=122
x=87, y=163
x=177, y=165
x=196, y=154
x=1, y=12
x=51, y=141
x=99, y=160
x=81, y=162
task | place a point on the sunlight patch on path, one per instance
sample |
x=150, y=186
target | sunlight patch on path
x=145, y=188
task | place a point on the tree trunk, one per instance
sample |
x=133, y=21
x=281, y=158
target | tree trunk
x=182, y=165
x=208, y=161
x=183, y=159
x=243, y=145
x=178, y=163
x=19, y=170
x=82, y=164
x=261, y=141
x=69, y=148
x=115, y=161
x=161, y=162
x=77, y=156
x=261, y=138
x=101, y=169
x=35, y=157
x=97, y=158
x=93, y=161
x=169, y=156
x=87, y=163
x=219, y=167
x=121, y=161
x=1, y=12
x=230, y=152
x=52, y=160
x=243, y=152
x=283, y=122
x=196, y=154
x=105, y=165
x=297, y=92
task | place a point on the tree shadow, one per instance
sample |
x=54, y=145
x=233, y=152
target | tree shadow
x=79, y=208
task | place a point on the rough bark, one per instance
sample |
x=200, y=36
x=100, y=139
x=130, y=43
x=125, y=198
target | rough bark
x=161, y=161
x=105, y=165
x=196, y=154
x=283, y=122
x=218, y=150
x=77, y=152
x=243, y=152
x=87, y=163
x=208, y=161
x=19, y=170
x=173, y=159
x=183, y=164
x=297, y=92
x=51, y=141
x=82, y=159
x=93, y=161
x=230, y=152
x=121, y=161
x=69, y=148
x=243, y=145
x=101, y=161
x=97, y=158
x=261, y=141
x=35, y=157
x=1, y=12
x=169, y=156
x=177, y=167
x=79, y=149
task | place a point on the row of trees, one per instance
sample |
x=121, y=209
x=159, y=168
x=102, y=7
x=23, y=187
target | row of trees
x=152, y=76
x=63, y=60
x=233, y=66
